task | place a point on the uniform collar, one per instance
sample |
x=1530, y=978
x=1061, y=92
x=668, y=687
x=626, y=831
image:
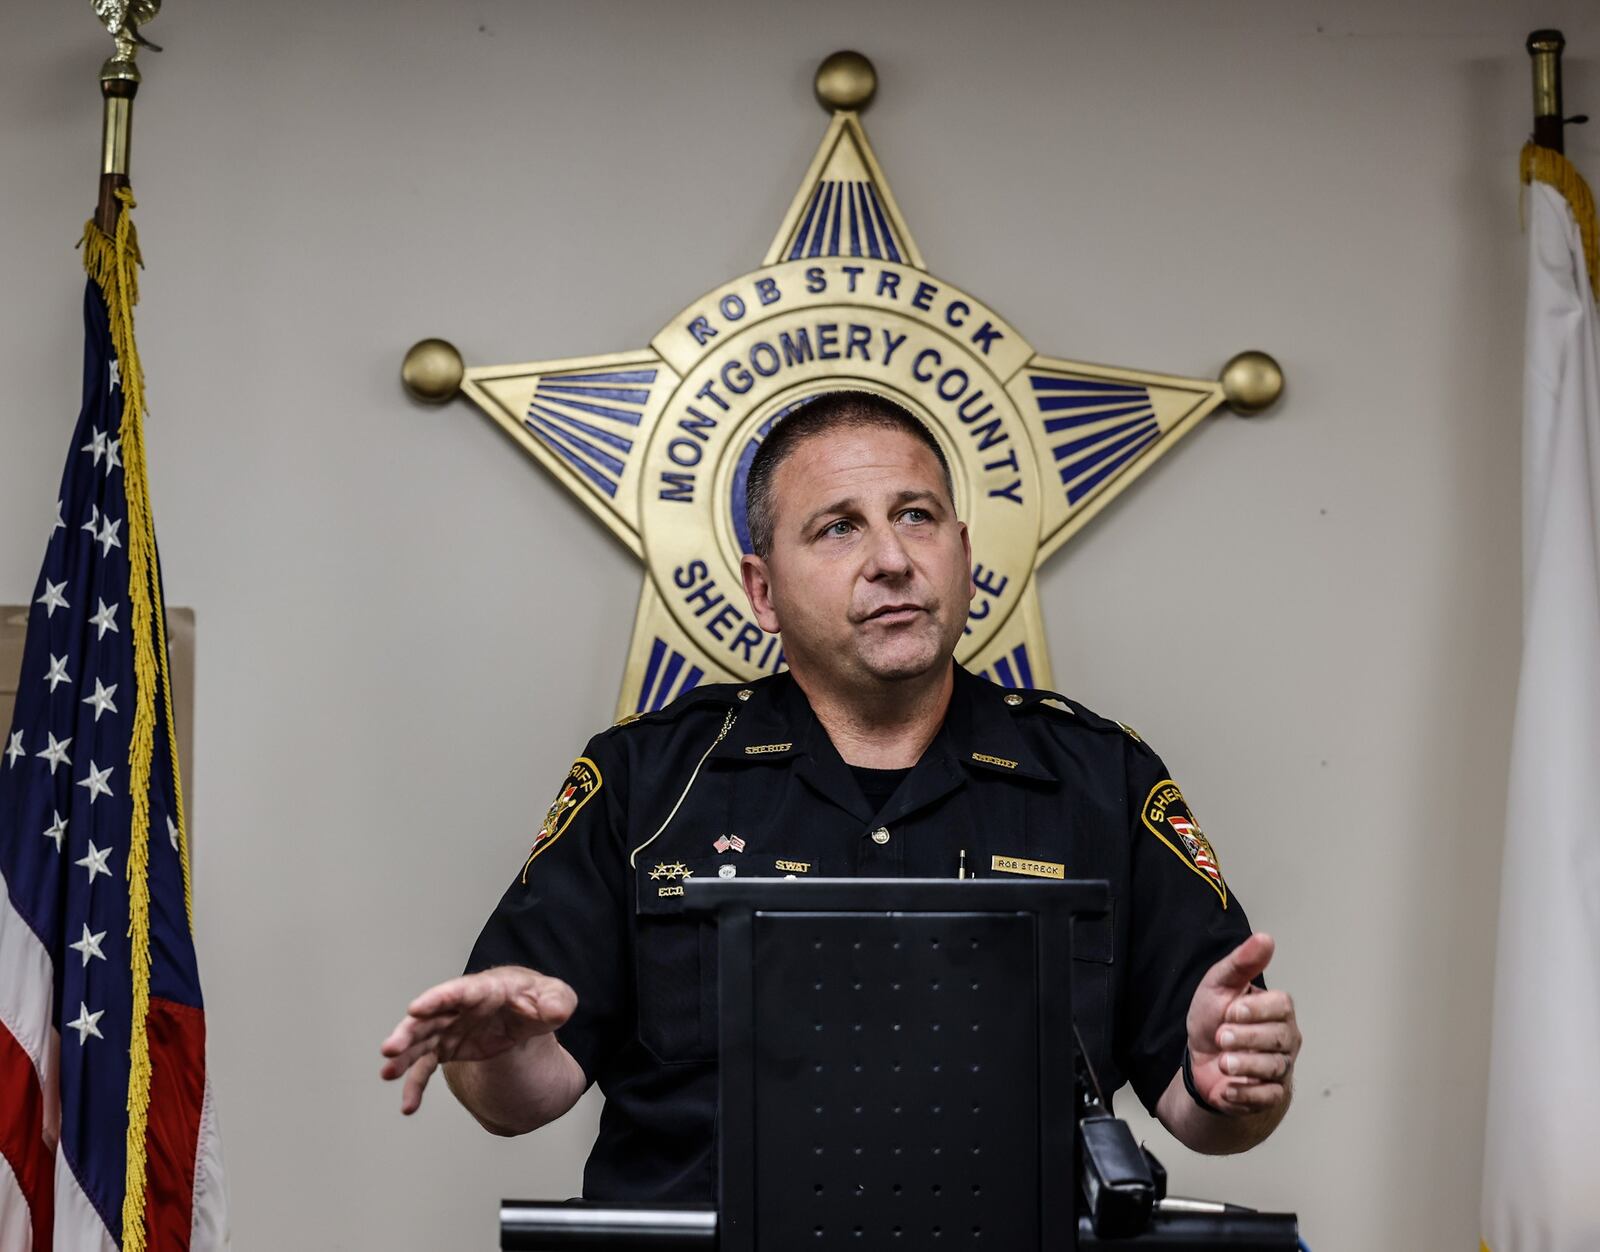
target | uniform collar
x=981, y=731
x=773, y=721
x=776, y=722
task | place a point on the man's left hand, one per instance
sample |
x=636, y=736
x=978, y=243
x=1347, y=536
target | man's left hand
x=1243, y=1041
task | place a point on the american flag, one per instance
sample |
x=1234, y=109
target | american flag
x=106, y=1132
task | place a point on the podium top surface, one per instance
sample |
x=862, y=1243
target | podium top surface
x=897, y=895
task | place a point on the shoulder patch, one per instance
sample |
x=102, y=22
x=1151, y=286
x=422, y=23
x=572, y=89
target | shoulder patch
x=1166, y=815
x=582, y=785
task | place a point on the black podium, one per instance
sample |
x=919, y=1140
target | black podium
x=892, y=1069
x=896, y=1071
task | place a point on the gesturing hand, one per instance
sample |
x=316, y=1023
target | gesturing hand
x=1243, y=1041
x=472, y=1018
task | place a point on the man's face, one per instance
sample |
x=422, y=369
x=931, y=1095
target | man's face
x=870, y=572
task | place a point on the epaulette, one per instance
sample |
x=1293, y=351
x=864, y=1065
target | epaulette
x=721, y=695
x=1029, y=698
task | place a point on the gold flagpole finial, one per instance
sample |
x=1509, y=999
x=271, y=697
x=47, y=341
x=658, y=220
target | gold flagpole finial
x=122, y=20
x=119, y=82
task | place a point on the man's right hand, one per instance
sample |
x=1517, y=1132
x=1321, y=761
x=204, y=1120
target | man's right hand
x=473, y=1018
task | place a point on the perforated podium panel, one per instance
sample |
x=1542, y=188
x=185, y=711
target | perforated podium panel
x=896, y=1063
x=881, y=1056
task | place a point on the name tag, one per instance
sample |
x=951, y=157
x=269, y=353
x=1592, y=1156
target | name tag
x=1033, y=869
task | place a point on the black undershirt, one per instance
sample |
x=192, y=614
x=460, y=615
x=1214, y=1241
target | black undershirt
x=877, y=785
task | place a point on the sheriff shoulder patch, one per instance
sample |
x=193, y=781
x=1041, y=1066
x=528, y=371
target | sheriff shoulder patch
x=582, y=784
x=1166, y=815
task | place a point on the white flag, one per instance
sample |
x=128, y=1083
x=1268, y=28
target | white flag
x=1541, y=1187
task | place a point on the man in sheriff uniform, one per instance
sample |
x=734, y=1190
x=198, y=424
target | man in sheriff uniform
x=874, y=755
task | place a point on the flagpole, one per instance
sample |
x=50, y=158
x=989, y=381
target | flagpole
x=1545, y=47
x=1543, y=156
x=119, y=83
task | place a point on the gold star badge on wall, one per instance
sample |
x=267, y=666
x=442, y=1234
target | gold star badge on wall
x=657, y=441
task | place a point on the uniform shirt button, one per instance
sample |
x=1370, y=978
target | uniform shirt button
x=1013, y=699
x=727, y=871
x=881, y=835
x=746, y=694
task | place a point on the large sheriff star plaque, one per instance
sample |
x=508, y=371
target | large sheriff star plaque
x=657, y=441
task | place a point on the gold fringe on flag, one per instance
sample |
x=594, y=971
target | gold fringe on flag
x=112, y=261
x=1546, y=165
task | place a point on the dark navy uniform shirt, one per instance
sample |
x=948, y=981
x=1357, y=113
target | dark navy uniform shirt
x=744, y=780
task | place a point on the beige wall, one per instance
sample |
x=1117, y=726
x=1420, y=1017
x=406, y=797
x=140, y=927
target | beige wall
x=405, y=628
